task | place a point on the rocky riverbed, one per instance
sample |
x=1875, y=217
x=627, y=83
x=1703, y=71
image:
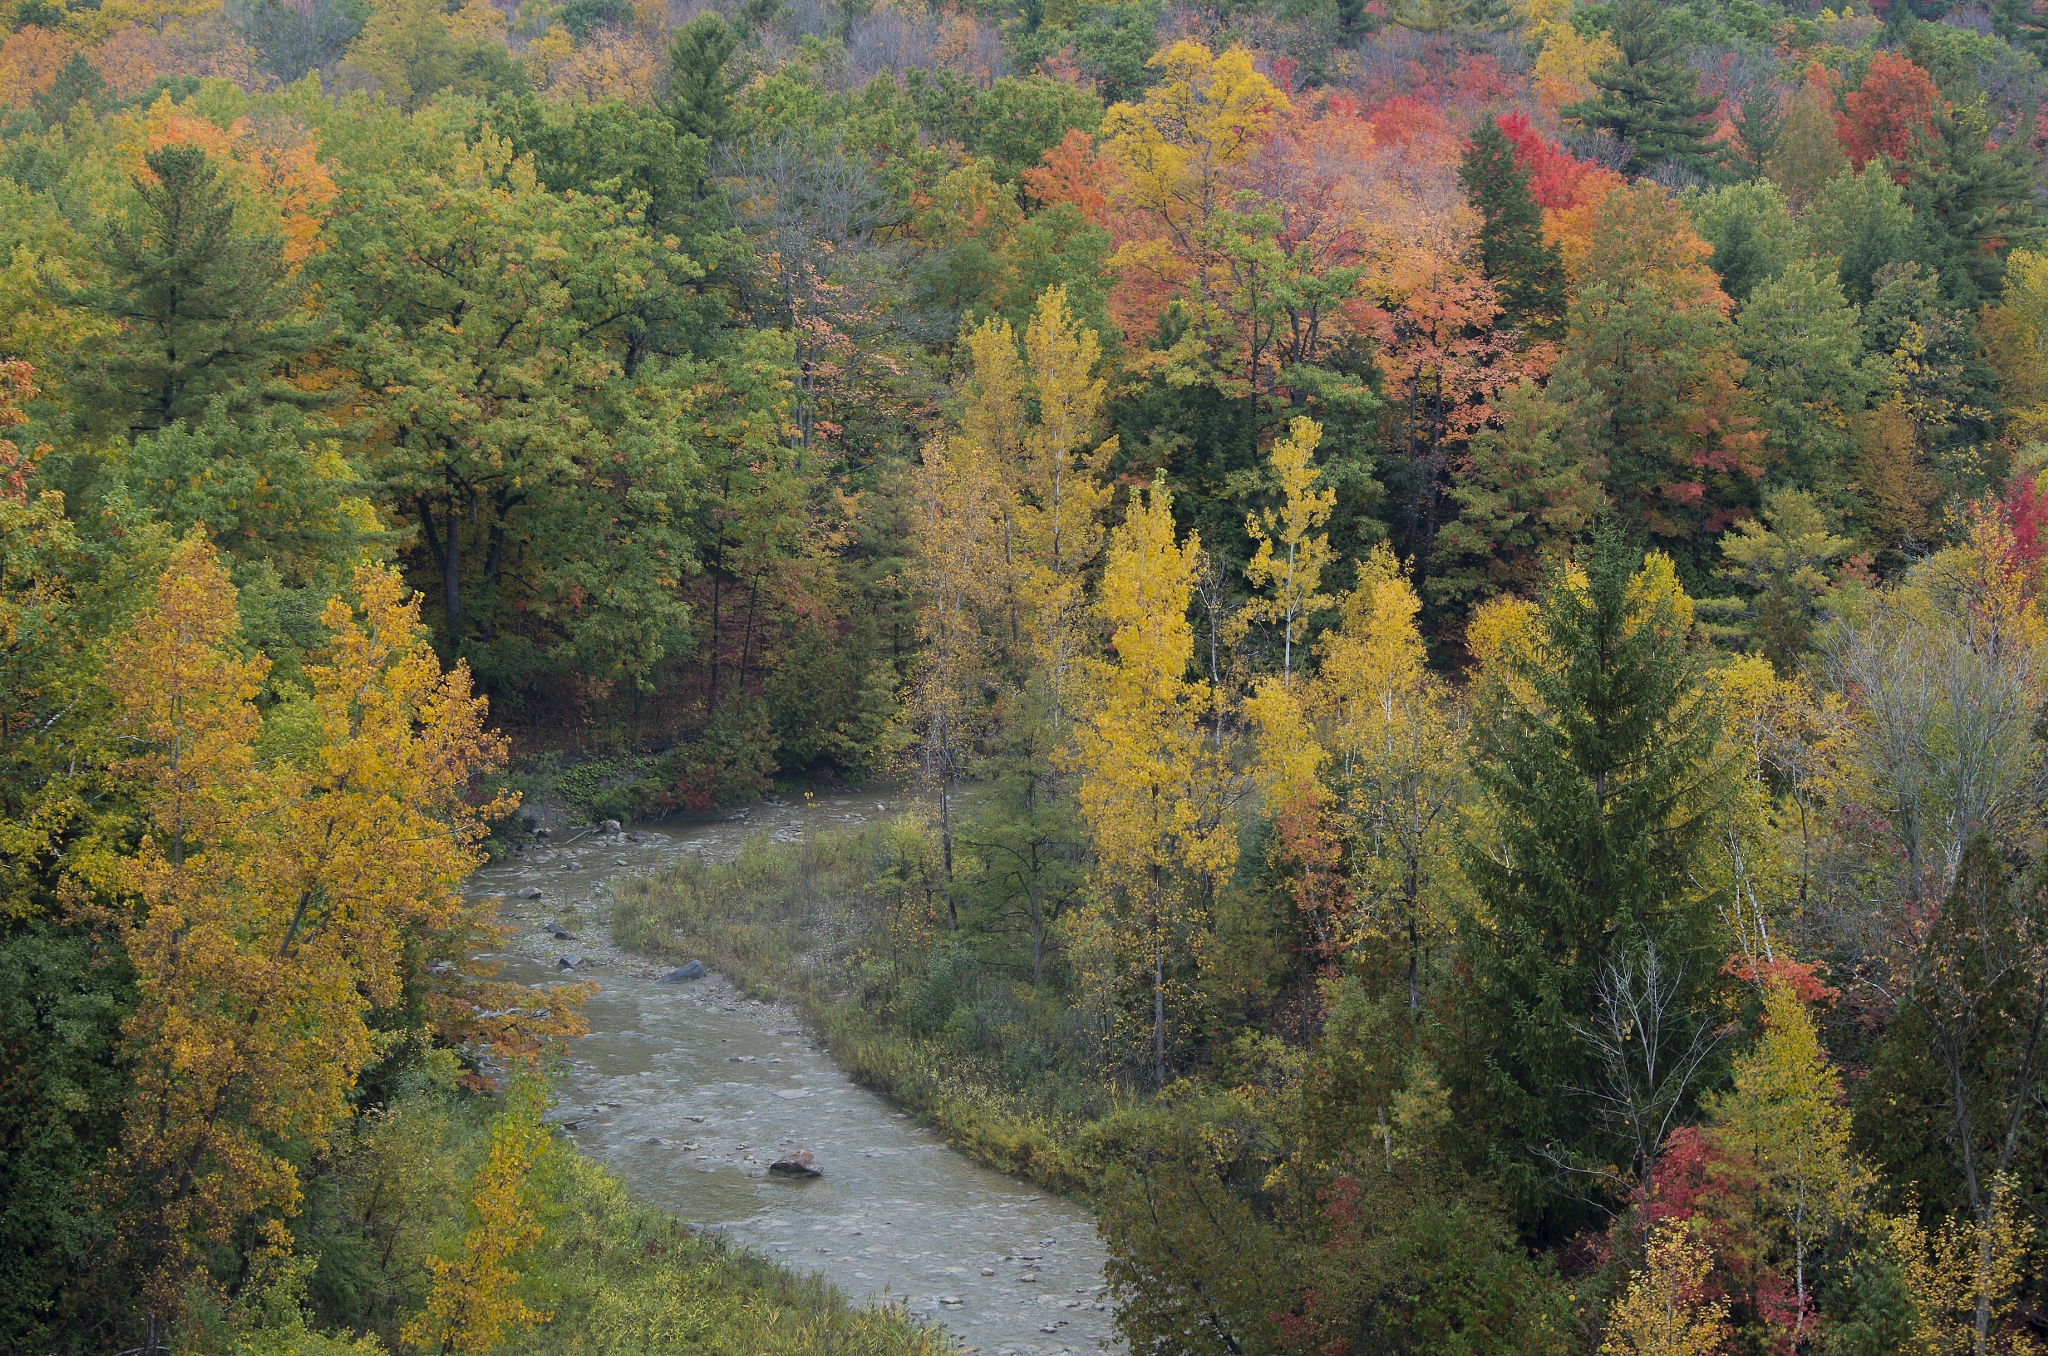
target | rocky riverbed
x=690, y=1091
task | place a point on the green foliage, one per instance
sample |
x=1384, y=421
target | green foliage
x=1751, y=229
x=1527, y=270
x=1594, y=748
x=1784, y=561
x=1525, y=498
x=1973, y=202
x=1649, y=98
x=547, y=483
x=261, y=487
x=203, y=309
x=1804, y=347
x=63, y=995
x=1863, y=219
x=1019, y=120
x=700, y=89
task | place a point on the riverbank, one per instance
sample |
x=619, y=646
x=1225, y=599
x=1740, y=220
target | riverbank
x=688, y=1090
x=601, y=1273
x=844, y=925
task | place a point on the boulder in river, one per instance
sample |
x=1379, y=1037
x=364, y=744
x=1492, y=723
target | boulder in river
x=636, y=837
x=561, y=934
x=540, y=833
x=694, y=970
x=530, y=892
x=611, y=826
x=569, y=962
x=798, y=1164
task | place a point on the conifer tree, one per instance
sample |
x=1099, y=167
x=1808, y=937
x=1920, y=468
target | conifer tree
x=1649, y=98
x=201, y=308
x=1594, y=746
x=699, y=90
x=1527, y=271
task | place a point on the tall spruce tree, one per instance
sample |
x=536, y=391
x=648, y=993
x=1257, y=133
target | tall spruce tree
x=1649, y=98
x=1527, y=271
x=700, y=90
x=1594, y=745
x=201, y=309
x=1973, y=201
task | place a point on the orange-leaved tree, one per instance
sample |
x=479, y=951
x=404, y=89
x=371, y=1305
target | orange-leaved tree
x=274, y=891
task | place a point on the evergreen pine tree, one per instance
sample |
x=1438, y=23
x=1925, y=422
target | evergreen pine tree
x=699, y=89
x=78, y=81
x=1528, y=271
x=1972, y=200
x=1649, y=98
x=202, y=310
x=1594, y=745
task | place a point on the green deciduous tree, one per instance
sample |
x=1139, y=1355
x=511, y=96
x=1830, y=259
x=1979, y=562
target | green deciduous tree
x=1649, y=375
x=1751, y=229
x=1806, y=369
x=1862, y=219
x=550, y=489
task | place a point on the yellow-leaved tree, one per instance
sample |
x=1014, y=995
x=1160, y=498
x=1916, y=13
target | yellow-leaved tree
x=1154, y=792
x=1666, y=1311
x=961, y=554
x=1295, y=573
x=474, y=1302
x=1396, y=737
x=274, y=891
x=1785, y=1133
x=1062, y=489
x=1178, y=151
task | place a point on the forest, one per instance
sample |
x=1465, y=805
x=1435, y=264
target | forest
x=1458, y=585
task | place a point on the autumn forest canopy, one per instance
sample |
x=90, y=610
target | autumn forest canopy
x=1457, y=585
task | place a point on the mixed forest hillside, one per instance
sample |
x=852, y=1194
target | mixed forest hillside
x=1460, y=581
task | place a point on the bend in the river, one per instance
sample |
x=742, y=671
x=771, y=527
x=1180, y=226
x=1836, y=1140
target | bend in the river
x=688, y=1091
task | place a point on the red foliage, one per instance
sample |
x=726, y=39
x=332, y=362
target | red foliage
x=1699, y=1178
x=1431, y=69
x=1405, y=120
x=1802, y=977
x=1071, y=172
x=2026, y=517
x=1309, y=853
x=1557, y=179
x=1884, y=115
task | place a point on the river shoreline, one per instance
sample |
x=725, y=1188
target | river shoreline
x=687, y=1091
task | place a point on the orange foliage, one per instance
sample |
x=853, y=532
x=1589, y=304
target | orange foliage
x=132, y=59
x=16, y=385
x=277, y=170
x=269, y=909
x=1072, y=172
x=29, y=61
x=1892, y=108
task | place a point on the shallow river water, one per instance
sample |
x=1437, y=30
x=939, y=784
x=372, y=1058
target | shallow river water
x=688, y=1091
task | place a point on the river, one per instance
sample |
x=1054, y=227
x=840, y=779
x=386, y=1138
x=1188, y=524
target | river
x=688, y=1091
